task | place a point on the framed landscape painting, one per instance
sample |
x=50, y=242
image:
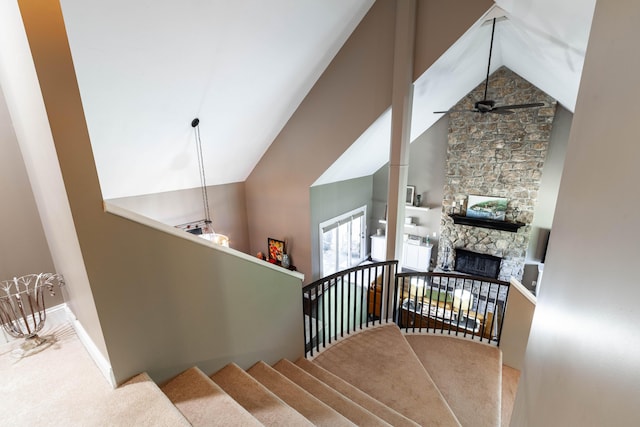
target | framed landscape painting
x=487, y=207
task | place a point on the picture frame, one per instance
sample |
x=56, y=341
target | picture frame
x=486, y=207
x=275, y=250
x=411, y=191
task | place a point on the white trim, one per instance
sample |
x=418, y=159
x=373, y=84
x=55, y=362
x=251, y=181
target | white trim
x=56, y=316
x=100, y=360
x=335, y=222
x=141, y=219
x=524, y=291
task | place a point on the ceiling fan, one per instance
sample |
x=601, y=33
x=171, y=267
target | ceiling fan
x=489, y=105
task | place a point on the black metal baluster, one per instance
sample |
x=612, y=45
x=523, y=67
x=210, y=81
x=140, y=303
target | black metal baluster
x=328, y=289
x=444, y=312
x=504, y=310
x=375, y=296
x=361, y=287
x=384, y=303
x=496, y=308
x=317, y=316
x=484, y=329
x=403, y=310
x=427, y=284
x=349, y=276
x=304, y=320
x=341, y=306
x=371, y=312
x=394, y=315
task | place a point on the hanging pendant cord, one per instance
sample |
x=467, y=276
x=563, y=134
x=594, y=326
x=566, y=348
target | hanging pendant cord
x=203, y=181
x=486, y=82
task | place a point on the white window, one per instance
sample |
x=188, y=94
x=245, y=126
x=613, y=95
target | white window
x=342, y=241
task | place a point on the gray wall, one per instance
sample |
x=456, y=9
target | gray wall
x=23, y=245
x=163, y=301
x=331, y=200
x=227, y=205
x=550, y=181
x=354, y=90
x=426, y=173
x=547, y=196
x=427, y=162
x=582, y=366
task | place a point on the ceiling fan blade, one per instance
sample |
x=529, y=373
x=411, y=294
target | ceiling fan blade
x=455, y=111
x=516, y=106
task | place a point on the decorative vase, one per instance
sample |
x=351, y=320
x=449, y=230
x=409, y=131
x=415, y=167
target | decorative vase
x=418, y=197
x=285, y=261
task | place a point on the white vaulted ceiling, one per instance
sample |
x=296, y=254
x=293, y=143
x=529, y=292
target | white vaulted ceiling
x=544, y=41
x=147, y=68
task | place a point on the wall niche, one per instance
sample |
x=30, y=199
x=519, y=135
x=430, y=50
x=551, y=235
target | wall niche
x=496, y=155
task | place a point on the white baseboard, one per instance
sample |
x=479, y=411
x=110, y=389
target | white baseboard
x=62, y=315
x=56, y=316
x=101, y=362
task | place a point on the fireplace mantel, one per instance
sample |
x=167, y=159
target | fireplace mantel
x=486, y=223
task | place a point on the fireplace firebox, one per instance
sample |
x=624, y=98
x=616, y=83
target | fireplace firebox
x=477, y=264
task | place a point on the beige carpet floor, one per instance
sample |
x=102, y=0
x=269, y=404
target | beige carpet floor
x=61, y=386
x=353, y=393
x=204, y=403
x=345, y=406
x=268, y=408
x=467, y=373
x=406, y=387
x=510, y=378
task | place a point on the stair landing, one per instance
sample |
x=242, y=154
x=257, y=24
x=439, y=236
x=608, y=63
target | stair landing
x=405, y=386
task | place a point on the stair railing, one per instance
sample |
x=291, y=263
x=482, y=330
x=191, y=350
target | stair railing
x=344, y=302
x=451, y=303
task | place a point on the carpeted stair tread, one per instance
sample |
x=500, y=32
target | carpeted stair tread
x=145, y=404
x=299, y=399
x=510, y=378
x=400, y=380
x=377, y=408
x=468, y=374
x=61, y=385
x=348, y=408
x=204, y=403
x=269, y=409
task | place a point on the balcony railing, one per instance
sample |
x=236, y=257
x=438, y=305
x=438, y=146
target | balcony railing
x=363, y=296
x=453, y=304
x=347, y=301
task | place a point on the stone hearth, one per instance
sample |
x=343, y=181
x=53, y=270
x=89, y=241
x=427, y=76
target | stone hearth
x=501, y=156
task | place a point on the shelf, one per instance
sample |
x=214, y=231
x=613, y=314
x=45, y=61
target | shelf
x=412, y=225
x=486, y=223
x=417, y=208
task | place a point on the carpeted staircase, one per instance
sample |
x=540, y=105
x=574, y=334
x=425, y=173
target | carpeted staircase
x=377, y=377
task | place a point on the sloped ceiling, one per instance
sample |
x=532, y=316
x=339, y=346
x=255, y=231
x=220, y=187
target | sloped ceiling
x=544, y=41
x=146, y=69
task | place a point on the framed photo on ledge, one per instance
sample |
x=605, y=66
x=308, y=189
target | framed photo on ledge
x=411, y=191
x=276, y=249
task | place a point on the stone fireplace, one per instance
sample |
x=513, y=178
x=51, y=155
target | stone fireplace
x=496, y=155
x=476, y=264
